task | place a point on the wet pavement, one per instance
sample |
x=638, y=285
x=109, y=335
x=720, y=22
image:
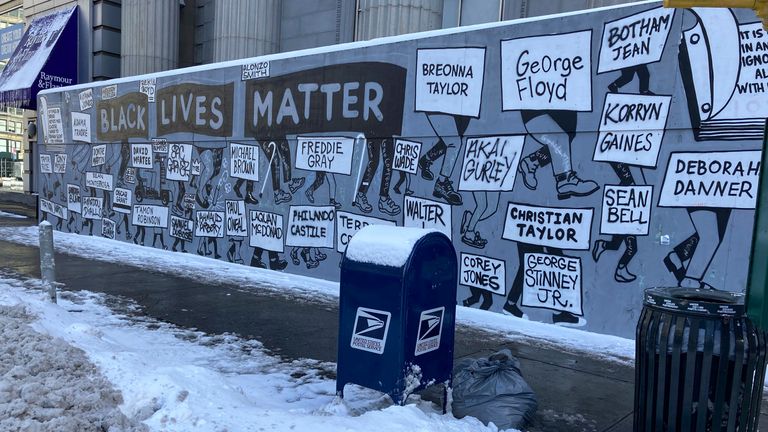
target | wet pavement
x=575, y=391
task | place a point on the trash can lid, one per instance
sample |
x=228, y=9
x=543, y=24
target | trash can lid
x=696, y=301
x=384, y=245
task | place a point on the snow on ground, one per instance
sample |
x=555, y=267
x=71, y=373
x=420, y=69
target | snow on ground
x=200, y=268
x=11, y=215
x=171, y=379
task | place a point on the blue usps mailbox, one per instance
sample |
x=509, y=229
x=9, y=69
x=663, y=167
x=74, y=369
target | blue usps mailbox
x=397, y=310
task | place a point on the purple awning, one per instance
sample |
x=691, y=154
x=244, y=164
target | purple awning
x=46, y=57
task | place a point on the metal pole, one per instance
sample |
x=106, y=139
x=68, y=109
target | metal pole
x=47, y=265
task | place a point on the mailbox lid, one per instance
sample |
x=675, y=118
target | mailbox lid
x=385, y=245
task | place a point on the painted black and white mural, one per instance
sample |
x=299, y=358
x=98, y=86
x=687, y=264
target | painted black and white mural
x=574, y=161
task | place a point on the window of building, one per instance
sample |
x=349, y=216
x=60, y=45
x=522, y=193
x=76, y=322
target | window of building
x=478, y=12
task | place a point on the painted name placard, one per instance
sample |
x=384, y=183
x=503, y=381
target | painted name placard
x=406, y=156
x=209, y=224
x=311, y=226
x=328, y=154
x=81, y=127
x=254, y=70
x=481, y=272
x=122, y=200
x=179, y=161
x=73, y=198
x=450, y=80
x=182, y=228
x=150, y=216
x=563, y=228
x=490, y=163
x=635, y=40
x=108, y=228
x=55, y=130
x=109, y=92
x=159, y=145
x=550, y=72
x=347, y=224
x=236, y=218
x=423, y=213
x=552, y=282
x=60, y=163
x=711, y=179
x=46, y=165
x=86, y=99
x=92, y=207
x=626, y=210
x=244, y=161
x=53, y=209
x=632, y=128
x=98, y=155
x=147, y=87
x=99, y=180
x=141, y=155
x=266, y=230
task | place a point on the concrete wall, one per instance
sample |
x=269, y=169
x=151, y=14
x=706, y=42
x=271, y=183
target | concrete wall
x=573, y=161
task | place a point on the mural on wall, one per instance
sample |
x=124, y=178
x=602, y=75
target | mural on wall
x=560, y=161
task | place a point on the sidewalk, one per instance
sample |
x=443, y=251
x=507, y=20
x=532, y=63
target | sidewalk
x=575, y=392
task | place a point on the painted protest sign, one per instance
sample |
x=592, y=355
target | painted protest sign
x=266, y=230
x=108, y=228
x=188, y=201
x=711, y=179
x=141, y=155
x=347, y=224
x=631, y=129
x=196, y=168
x=547, y=72
x=122, y=200
x=635, y=40
x=181, y=228
x=481, y=272
x=99, y=180
x=244, y=161
x=147, y=86
x=490, y=163
x=329, y=154
x=73, y=198
x=150, y=216
x=209, y=224
x=179, y=161
x=552, y=282
x=98, y=155
x=450, y=80
x=130, y=175
x=55, y=131
x=53, y=208
x=563, y=228
x=626, y=210
x=423, y=213
x=406, y=156
x=195, y=108
x=122, y=118
x=311, y=226
x=254, y=70
x=46, y=166
x=60, y=163
x=236, y=224
x=92, y=207
x=81, y=127
x=86, y=99
x=159, y=145
x=109, y=92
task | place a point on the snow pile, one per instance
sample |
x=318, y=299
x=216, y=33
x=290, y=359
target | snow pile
x=384, y=245
x=180, y=380
x=11, y=215
x=47, y=385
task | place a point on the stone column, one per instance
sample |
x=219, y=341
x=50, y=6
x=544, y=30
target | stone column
x=245, y=28
x=378, y=18
x=149, y=39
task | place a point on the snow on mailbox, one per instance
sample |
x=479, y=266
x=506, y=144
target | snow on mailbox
x=397, y=310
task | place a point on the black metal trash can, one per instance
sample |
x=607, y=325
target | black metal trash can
x=699, y=363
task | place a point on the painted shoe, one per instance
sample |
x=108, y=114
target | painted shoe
x=567, y=319
x=282, y=196
x=444, y=189
x=474, y=241
x=296, y=184
x=570, y=185
x=424, y=165
x=527, y=169
x=678, y=271
x=361, y=202
x=387, y=205
x=512, y=309
x=597, y=249
x=278, y=264
x=623, y=275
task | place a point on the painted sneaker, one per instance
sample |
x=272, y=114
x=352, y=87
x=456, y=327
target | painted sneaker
x=597, y=249
x=424, y=165
x=335, y=204
x=512, y=309
x=278, y=264
x=387, y=205
x=310, y=195
x=527, y=169
x=444, y=189
x=623, y=275
x=567, y=319
x=474, y=241
x=296, y=184
x=570, y=185
x=282, y=196
x=361, y=202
